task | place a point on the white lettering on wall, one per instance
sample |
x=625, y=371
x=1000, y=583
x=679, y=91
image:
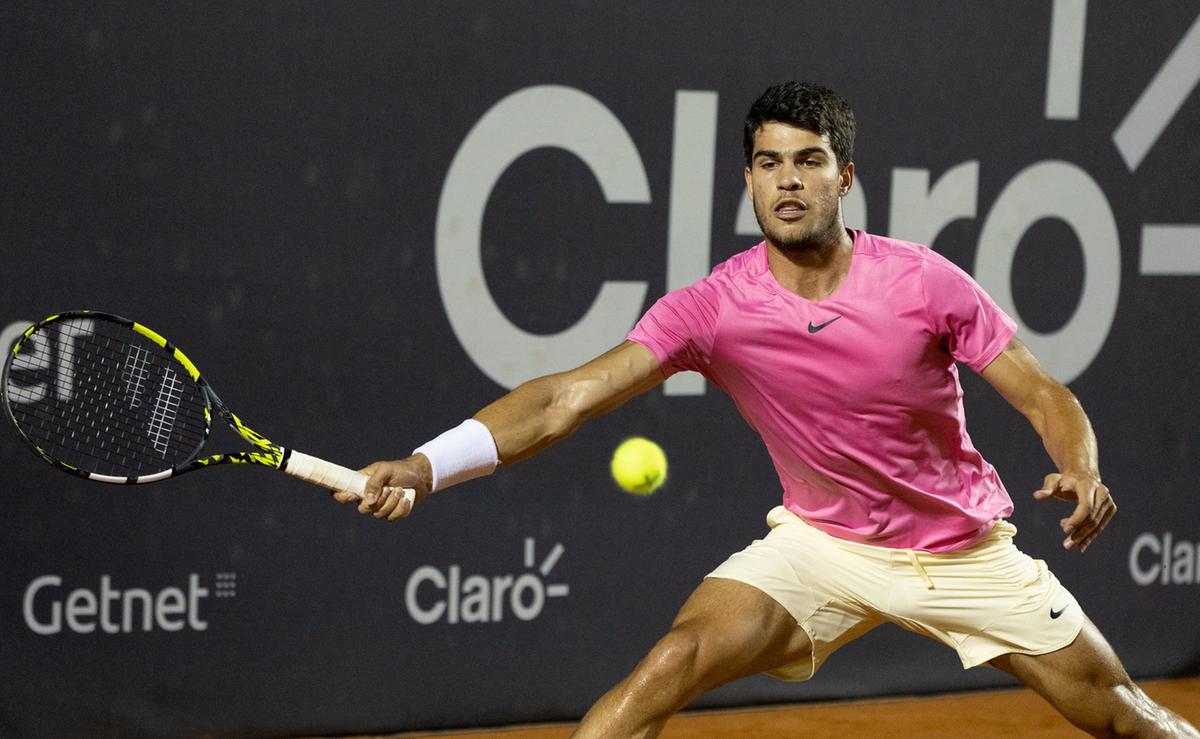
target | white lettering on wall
x=1164, y=560
x=1063, y=191
x=529, y=119
x=48, y=610
x=431, y=594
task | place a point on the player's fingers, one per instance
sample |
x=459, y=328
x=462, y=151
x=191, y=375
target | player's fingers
x=1049, y=486
x=1087, y=515
x=393, y=503
x=404, y=503
x=1103, y=511
x=1086, y=508
x=378, y=475
x=1109, y=512
x=1077, y=525
x=385, y=505
x=344, y=496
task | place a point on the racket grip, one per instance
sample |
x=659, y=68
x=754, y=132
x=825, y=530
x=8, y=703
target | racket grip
x=333, y=476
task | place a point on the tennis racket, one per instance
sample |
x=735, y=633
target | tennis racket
x=108, y=399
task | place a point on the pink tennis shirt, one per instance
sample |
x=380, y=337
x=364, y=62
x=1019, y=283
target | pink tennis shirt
x=856, y=396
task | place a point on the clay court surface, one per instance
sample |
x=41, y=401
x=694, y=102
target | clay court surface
x=1002, y=713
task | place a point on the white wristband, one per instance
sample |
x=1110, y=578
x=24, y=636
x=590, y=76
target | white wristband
x=463, y=453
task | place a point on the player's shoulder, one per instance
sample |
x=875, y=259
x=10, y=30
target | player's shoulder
x=735, y=273
x=749, y=263
x=736, y=277
x=888, y=249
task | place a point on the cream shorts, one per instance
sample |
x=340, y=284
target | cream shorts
x=983, y=601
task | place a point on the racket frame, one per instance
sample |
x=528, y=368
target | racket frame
x=265, y=452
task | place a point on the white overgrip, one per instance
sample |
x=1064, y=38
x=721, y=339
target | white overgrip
x=332, y=476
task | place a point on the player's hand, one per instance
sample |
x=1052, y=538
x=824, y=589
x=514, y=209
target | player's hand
x=1094, y=507
x=384, y=493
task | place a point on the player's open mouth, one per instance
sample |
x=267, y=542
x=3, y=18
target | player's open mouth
x=789, y=210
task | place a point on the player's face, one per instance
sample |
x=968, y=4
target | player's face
x=796, y=186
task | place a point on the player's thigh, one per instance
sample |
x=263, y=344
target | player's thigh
x=734, y=630
x=1085, y=680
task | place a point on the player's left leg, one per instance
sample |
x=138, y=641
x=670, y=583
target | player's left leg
x=726, y=630
x=1087, y=684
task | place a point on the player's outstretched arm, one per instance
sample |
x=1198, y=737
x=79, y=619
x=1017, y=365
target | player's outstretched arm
x=1067, y=434
x=540, y=412
x=520, y=424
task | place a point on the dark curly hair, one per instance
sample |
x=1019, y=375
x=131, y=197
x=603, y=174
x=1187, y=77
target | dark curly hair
x=808, y=106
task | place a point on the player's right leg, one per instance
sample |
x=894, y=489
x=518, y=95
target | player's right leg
x=726, y=630
x=1088, y=685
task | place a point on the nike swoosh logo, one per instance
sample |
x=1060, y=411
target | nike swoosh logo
x=813, y=329
x=1059, y=612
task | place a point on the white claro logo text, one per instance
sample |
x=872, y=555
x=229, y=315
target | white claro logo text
x=555, y=116
x=1162, y=559
x=49, y=608
x=434, y=594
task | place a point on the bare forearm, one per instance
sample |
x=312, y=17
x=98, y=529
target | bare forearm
x=1049, y=405
x=529, y=419
x=540, y=412
x=1066, y=432
x=518, y=425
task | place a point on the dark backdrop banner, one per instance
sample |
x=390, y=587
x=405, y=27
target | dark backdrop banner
x=366, y=220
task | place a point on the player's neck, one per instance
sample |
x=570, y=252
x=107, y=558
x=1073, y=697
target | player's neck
x=813, y=273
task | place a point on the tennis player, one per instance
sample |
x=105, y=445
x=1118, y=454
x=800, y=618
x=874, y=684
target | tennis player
x=839, y=347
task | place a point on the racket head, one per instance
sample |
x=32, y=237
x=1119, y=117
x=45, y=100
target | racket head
x=104, y=397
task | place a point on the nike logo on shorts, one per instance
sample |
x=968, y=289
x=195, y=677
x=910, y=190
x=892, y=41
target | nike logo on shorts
x=1059, y=612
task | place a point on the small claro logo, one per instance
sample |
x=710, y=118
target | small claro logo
x=1164, y=559
x=49, y=608
x=432, y=594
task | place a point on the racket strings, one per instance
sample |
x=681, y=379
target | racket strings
x=101, y=398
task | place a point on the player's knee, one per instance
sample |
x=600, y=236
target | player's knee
x=695, y=656
x=675, y=659
x=1126, y=718
x=1123, y=710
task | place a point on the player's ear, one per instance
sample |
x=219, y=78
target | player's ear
x=846, y=179
x=749, y=186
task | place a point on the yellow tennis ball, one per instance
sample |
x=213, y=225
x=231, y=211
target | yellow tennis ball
x=639, y=465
